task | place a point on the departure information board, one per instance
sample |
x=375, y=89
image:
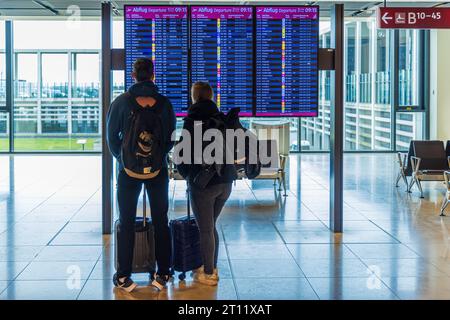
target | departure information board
x=287, y=61
x=160, y=33
x=222, y=54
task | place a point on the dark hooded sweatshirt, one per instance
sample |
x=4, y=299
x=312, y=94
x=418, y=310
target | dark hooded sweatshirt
x=201, y=111
x=119, y=115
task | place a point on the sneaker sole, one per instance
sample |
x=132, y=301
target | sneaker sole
x=157, y=285
x=211, y=283
x=128, y=289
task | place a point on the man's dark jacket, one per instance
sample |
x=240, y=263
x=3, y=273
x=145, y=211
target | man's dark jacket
x=119, y=116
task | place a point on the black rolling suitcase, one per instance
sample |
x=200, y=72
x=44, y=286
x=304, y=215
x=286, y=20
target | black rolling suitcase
x=186, y=251
x=144, y=260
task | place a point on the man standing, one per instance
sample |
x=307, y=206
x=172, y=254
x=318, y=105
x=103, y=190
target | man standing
x=144, y=93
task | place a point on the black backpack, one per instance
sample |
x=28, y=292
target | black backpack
x=222, y=122
x=252, y=170
x=142, y=149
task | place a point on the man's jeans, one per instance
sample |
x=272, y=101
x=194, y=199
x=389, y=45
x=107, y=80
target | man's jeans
x=128, y=191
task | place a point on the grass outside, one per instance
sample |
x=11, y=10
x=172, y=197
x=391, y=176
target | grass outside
x=50, y=144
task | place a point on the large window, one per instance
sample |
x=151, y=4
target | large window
x=55, y=76
x=85, y=76
x=368, y=111
x=382, y=107
x=4, y=127
x=315, y=132
x=408, y=76
x=409, y=126
x=26, y=97
x=57, y=85
x=57, y=89
x=85, y=113
x=365, y=107
x=350, y=132
x=382, y=78
x=26, y=79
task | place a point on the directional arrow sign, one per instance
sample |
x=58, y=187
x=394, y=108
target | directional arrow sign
x=413, y=18
x=386, y=18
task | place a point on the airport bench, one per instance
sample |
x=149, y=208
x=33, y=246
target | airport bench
x=428, y=163
x=446, y=200
x=276, y=169
x=273, y=170
x=447, y=149
x=405, y=169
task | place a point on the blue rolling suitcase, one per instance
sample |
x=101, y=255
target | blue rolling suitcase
x=186, y=251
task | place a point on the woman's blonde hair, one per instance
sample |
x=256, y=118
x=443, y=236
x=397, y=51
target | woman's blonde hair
x=201, y=91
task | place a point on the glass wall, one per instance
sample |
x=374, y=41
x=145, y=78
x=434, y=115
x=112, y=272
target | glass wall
x=4, y=126
x=350, y=132
x=57, y=89
x=382, y=106
x=315, y=132
x=85, y=113
x=409, y=125
x=57, y=85
x=368, y=111
x=408, y=68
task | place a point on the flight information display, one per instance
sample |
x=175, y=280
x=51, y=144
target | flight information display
x=222, y=54
x=287, y=61
x=161, y=34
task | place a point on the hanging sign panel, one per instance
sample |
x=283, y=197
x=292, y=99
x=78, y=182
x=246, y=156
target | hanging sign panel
x=413, y=18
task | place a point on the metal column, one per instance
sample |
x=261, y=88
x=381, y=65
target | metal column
x=425, y=79
x=337, y=120
x=107, y=161
x=9, y=60
x=393, y=70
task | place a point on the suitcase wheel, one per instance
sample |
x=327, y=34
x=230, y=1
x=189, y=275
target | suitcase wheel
x=182, y=276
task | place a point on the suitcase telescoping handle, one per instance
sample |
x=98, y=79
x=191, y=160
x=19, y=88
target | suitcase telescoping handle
x=144, y=207
x=188, y=203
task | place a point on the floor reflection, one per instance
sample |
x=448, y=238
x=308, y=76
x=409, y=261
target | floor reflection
x=394, y=245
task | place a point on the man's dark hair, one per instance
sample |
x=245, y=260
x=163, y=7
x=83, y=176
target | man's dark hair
x=143, y=69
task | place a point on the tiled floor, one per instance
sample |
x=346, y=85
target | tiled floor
x=393, y=247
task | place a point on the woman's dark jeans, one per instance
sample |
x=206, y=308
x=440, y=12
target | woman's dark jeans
x=207, y=205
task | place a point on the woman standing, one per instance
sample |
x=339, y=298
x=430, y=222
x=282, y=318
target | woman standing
x=209, y=187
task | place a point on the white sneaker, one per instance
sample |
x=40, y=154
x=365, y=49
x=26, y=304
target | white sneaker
x=196, y=274
x=125, y=283
x=203, y=278
x=195, y=271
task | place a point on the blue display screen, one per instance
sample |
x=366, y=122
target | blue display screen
x=262, y=59
x=222, y=54
x=287, y=61
x=161, y=34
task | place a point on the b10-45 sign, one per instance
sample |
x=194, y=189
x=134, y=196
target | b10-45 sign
x=413, y=18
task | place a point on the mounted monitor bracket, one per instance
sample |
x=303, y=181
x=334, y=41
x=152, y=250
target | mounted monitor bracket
x=326, y=59
x=117, y=59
